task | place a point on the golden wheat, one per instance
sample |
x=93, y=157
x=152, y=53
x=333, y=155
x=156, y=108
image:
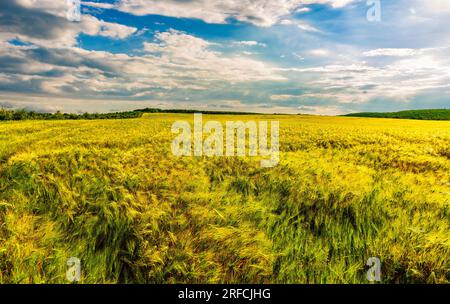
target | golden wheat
x=112, y=194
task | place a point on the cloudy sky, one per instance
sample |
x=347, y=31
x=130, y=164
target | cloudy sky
x=291, y=56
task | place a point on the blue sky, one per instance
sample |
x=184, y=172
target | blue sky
x=286, y=56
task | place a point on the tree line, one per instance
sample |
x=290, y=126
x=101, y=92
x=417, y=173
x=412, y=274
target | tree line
x=432, y=114
x=22, y=114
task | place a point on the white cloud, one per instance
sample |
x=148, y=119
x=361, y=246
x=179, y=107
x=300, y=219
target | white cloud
x=58, y=8
x=95, y=27
x=319, y=52
x=303, y=10
x=44, y=23
x=321, y=110
x=258, y=12
x=401, y=79
x=304, y=26
x=98, y=4
x=66, y=36
x=179, y=67
x=399, y=52
x=283, y=97
x=250, y=43
x=176, y=62
x=434, y=6
x=192, y=54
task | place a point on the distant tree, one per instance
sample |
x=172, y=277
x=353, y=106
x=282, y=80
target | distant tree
x=23, y=115
x=432, y=114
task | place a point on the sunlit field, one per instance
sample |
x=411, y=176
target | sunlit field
x=111, y=193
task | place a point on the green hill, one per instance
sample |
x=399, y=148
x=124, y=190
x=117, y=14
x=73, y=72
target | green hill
x=434, y=114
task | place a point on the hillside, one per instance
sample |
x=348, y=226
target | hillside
x=432, y=114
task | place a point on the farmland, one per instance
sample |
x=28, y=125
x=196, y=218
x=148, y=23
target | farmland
x=111, y=193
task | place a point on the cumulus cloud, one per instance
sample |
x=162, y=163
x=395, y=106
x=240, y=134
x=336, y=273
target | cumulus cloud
x=48, y=61
x=92, y=26
x=400, y=79
x=258, y=12
x=40, y=56
x=195, y=57
x=176, y=62
x=44, y=22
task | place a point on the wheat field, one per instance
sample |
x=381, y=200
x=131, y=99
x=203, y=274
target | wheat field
x=111, y=193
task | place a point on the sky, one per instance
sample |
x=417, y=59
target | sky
x=324, y=57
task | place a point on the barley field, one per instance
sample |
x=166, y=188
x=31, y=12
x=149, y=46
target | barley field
x=111, y=193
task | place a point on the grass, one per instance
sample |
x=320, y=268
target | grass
x=110, y=193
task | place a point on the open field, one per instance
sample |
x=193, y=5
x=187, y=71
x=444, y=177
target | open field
x=110, y=193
